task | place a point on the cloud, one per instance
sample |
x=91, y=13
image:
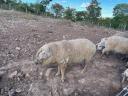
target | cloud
x=83, y=5
x=64, y=1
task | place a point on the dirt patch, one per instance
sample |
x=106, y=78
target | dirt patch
x=21, y=35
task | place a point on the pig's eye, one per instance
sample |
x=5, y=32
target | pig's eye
x=43, y=53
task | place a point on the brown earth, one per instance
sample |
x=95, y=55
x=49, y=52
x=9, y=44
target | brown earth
x=21, y=35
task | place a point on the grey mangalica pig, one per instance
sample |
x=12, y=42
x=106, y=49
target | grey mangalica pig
x=101, y=44
x=117, y=44
x=66, y=52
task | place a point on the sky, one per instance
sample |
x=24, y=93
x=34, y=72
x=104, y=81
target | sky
x=106, y=5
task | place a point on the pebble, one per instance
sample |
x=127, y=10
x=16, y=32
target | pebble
x=13, y=74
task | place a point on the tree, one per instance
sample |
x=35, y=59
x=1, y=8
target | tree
x=94, y=11
x=120, y=9
x=2, y=1
x=20, y=6
x=45, y=4
x=105, y=22
x=69, y=13
x=58, y=9
x=36, y=8
x=11, y=3
x=2, y=4
x=120, y=21
x=81, y=15
x=8, y=4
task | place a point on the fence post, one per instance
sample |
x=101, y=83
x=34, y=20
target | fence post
x=124, y=27
x=26, y=10
x=9, y=6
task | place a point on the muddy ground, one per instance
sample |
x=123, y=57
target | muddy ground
x=21, y=35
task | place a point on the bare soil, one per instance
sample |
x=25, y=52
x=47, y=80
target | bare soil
x=21, y=35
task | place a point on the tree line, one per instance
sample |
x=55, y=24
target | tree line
x=91, y=14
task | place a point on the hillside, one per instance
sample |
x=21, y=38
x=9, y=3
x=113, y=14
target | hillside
x=21, y=35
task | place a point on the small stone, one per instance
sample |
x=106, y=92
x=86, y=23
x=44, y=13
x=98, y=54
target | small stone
x=16, y=39
x=18, y=79
x=68, y=91
x=30, y=88
x=82, y=81
x=27, y=75
x=18, y=48
x=19, y=74
x=18, y=90
x=41, y=73
x=13, y=74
